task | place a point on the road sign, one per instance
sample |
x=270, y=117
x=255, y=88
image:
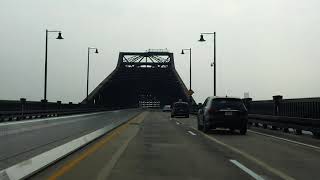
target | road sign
x=190, y=92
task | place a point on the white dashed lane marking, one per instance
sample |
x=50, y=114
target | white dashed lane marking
x=247, y=170
x=192, y=133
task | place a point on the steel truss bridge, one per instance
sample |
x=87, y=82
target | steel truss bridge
x=141, y=77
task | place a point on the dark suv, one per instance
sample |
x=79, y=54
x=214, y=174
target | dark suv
x=180, y=109
x=225, y=112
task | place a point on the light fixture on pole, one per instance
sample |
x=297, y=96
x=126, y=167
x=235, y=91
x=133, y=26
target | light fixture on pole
x=214, y=64
x=190, y=74
x=96, y=51
x=201, y=38
x=46, y=62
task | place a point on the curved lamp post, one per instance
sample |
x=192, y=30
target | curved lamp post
x=190, y=87
x=214, y=64
x=96, y=51
x=182, y=52
x=46, y=62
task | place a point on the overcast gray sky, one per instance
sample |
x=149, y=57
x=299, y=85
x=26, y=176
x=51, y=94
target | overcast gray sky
x=264, y=47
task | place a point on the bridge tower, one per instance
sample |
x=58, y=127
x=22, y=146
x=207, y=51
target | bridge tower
x=139, y=77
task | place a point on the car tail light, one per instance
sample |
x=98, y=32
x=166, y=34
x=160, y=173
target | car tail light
x=212, y=111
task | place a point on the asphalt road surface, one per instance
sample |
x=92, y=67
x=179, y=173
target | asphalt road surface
x=22, y=140
x=154, y=146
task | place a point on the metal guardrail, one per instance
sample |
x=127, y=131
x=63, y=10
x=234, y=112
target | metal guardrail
x=149, y=104
x=300, y=107
x=32, y=114
x=285, y=122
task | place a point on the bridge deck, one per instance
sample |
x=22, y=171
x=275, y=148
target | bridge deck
x=22, y=140
x=154, y=146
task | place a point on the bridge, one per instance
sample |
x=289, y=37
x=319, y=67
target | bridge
x=120, y=132
x=140, y=77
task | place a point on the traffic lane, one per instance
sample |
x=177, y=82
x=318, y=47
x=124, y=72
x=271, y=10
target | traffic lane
x=297, y=161
x=94, y=160
x=164, y=150
x=305, y=138
x=153, y=147
x=18, y=147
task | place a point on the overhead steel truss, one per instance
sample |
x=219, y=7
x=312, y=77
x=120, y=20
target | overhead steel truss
x=141, y=75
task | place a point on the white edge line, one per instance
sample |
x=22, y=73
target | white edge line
x=192, y=133
x=288, y=140
x=247, y=170
x=34, y=164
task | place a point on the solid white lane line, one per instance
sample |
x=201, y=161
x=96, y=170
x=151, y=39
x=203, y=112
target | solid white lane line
x=288, y=140
x=247, y=170
x=193, y=134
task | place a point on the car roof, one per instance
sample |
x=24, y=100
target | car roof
x=224, y=97
x=180, y=103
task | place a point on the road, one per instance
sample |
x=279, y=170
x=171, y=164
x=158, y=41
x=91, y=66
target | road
x=24, y=139
x=154, y=146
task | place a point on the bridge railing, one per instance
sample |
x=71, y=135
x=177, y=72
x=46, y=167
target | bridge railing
x=304, y=107
x=18, y=115
x=18, y=110
x=149, y=104
x=299, y=114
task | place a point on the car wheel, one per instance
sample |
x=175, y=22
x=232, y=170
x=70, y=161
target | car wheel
x=243, y=130
x=187, y=116
x=199, y=126
x=316, y=134
x=205, y=127
x=172, y=115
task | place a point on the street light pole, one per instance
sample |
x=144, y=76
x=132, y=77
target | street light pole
x=46, y=62
x=214, y=59
x=89, y=48
x=190, y=73
x=88, y=74
x=190, y=70
x=215, y=64
x=45, y=68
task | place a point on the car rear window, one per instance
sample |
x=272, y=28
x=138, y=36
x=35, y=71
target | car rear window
x=180, y=105
x=226, y=103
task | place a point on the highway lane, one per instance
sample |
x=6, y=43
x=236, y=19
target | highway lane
x=150, y=147
x=285, y=153
x=165, y=149
x=22, y=140
x=155, y=146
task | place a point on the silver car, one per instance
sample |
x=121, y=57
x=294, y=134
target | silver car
x=166, y=108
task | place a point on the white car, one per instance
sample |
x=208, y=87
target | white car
x=166, y=108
